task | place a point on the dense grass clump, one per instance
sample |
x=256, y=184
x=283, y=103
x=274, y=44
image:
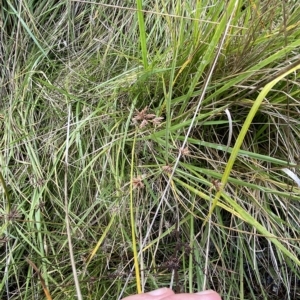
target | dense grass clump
x=149, y=143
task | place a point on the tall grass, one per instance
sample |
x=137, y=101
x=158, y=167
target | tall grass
x=148, y=144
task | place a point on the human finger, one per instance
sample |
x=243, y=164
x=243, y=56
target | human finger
x=205, y=295
x=153, y=295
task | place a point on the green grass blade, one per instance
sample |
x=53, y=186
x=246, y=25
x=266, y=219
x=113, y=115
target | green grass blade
x=244, y=130
x=142, y=30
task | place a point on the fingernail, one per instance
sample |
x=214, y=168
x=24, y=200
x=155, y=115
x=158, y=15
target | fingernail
x=206, y=292
x=158, y=292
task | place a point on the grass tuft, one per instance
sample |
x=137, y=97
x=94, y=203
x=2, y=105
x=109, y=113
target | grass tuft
x=149, y=143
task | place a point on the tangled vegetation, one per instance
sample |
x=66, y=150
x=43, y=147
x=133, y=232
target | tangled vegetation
x=149, y=143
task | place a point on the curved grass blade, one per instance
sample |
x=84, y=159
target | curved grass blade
x=294, y=67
